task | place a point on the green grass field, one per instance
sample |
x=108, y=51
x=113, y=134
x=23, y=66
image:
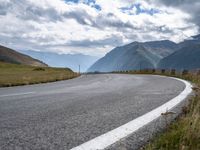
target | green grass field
x=14, y=74
x=184, y=133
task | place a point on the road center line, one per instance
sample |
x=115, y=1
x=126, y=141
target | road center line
x=105, y=140
x=17, y=94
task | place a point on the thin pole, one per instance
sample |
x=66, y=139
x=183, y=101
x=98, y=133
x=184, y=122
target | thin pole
x=79, y=69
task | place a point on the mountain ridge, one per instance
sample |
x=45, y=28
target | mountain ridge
x=151, y=54
x=188, y=58
x=147, y=55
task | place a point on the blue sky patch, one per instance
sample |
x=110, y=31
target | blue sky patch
x=73, y=1
x=140, y=10
x=91, y=3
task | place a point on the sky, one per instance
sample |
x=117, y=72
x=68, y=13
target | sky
x=94, y=27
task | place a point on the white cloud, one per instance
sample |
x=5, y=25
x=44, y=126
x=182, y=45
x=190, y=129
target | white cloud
x=58, y=26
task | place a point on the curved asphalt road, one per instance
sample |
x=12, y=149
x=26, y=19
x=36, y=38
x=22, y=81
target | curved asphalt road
x=65, y=114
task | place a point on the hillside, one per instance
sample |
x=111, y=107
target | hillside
x=135, y=56
x=18, y=74
x=63, y=60
x=12, y=56
x=186, y=58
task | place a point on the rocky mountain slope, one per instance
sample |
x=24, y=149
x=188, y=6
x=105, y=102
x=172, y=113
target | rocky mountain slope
x=135, y=56
x=12, y=56
x=186, y=58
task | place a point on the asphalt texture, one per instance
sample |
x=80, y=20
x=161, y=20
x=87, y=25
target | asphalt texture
x=65, y=114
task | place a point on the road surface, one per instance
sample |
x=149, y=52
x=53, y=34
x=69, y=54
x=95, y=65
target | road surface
x=65, y=114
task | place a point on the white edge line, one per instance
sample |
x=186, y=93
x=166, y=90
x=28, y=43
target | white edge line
x=105, y=140
x=17, y=94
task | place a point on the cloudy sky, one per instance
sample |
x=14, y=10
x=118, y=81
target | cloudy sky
x=94, y=27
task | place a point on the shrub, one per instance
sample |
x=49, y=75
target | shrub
x=163, y=71
x=173, y=72
x=198, y=72
x=39, y=69
x=185, y=72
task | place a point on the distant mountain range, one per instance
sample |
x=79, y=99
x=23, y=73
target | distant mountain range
x=11, y=56
x=148, y=55
x=71, y=61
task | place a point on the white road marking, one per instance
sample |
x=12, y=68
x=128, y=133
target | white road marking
x=111, y=137
x=17, y=94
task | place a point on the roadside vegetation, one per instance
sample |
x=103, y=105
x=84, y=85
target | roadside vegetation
x=184, y=132
x=15, y=74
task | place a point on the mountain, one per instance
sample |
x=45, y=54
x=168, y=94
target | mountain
x=64, y=60
x=191, y=41
x=161, y=48
x=185, y=58
x=12, y=56
x=196, y=37
x=134, y=56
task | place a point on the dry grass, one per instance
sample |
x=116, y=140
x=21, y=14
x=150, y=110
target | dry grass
x=14, y=74
x=184, y=133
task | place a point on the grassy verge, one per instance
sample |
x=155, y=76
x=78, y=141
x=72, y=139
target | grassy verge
x=184, y=133
x=14, y=74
